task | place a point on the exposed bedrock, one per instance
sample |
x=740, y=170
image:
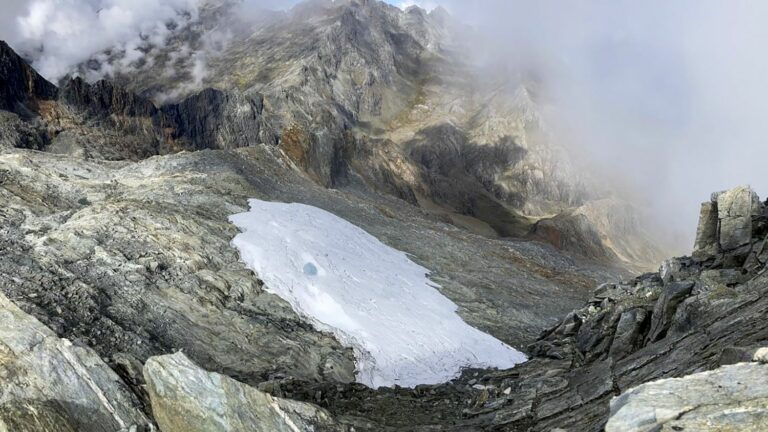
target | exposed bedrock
x=21, y=87
x=186, y=398
x=50, y=384
x=730, y=398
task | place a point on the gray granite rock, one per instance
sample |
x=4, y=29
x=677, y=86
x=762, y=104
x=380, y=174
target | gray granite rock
x=706, y=233
x=186, y=398
x=735, y=209
x=729, y=398
x=49, y=384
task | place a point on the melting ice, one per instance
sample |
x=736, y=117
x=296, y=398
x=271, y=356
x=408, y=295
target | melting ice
x=371, y=296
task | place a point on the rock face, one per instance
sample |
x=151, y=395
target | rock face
x=104, y=120
x=20, y=85
x=49, y=384
x=363, y=92
x=728, y=398
x=358, y=94
x=104, y=99
x=186, y=398
x=214, y=119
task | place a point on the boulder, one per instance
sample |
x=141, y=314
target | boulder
x=732, y=397
x=670, y=269
x=186, y=398
x=735, y=209
x=49, y=384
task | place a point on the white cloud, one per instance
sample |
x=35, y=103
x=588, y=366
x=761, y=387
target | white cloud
x=427, y=5
x=60, y=34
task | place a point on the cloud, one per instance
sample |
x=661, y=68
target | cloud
x=427, y=5
x=667, y=97
x=57, y=35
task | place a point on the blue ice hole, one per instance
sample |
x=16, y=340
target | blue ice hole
x=310, y=269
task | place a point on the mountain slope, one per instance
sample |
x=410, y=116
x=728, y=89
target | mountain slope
x=358, y=94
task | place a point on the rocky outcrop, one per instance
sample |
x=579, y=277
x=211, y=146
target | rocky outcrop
x=104, y=99
x=50, y=384
x=134, y=260
x=730, y=398
x=104, y=120
x=214, y=119
x=185, y=398
x=726, y=225
x=21, y=87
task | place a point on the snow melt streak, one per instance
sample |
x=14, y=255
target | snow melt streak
x=371, y=296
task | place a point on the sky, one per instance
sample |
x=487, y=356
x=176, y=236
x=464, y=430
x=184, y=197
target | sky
x=666, y=97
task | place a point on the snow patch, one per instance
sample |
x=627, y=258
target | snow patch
x=371, y=296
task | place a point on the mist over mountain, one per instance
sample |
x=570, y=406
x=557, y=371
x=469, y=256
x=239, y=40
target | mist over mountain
x=363, y=215
x=615, y=93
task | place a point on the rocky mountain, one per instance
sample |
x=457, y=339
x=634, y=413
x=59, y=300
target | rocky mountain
x=363, y=92
x=127, y=307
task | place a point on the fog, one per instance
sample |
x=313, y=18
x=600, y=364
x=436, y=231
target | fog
x=664, y=99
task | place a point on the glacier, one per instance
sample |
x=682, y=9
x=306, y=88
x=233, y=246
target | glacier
x=372, y=297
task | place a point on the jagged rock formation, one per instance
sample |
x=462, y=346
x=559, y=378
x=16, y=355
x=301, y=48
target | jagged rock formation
x=49, y=384
x=726, y=227
x=214, y=119
x=104, y=120
x=186, y=398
